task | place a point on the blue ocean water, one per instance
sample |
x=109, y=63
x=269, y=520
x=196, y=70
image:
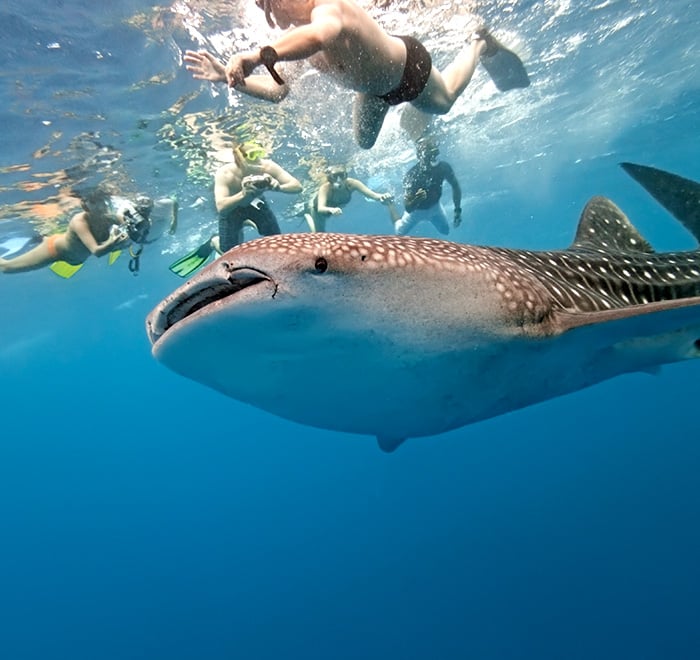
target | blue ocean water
x=144, y=516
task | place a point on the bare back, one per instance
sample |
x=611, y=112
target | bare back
x=85, y=231
x=356, y=50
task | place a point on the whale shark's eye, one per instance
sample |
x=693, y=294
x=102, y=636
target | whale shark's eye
x=321, y=265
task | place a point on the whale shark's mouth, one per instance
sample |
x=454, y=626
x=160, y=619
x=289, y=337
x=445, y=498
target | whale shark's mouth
x=186, y=303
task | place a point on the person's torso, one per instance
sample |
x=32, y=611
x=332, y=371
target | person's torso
x=429, y=179
x=363, y=57
x=338, y=196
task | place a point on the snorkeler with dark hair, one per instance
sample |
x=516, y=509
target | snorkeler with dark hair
x=106, y=225
x=96, y=230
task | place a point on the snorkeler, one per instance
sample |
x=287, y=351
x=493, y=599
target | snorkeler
x=238, y=193
x=342, y=39
x=106, y=225
x=422, y=189
x=335, y=193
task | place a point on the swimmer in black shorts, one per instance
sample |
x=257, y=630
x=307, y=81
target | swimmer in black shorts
x=341, y=38
x=238, y=193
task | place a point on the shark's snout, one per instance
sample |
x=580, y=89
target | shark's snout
x=200, y=294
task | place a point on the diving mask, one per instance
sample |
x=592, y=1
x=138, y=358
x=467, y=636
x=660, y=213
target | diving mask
x=336, y=174
x=252, y=152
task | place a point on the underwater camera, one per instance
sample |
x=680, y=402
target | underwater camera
x=137, y=220
x=137, y=226
x=258, y=182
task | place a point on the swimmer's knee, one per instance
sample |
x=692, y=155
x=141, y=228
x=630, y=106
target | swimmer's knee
x=367, y=130
x=365, y=139
x=368, y=117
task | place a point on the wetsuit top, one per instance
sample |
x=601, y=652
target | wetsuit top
x=428, y=177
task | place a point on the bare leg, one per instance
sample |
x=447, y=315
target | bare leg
x=36, y=258
x=368, y=114
x=415, y=122
x=443, y=89
x=310, y=221
x=316, y=222
x=393, y=213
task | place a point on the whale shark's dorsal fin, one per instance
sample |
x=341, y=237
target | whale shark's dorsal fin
x=603, y=226
x=679, y=196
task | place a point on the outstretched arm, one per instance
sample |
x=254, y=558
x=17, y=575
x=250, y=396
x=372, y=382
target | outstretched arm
x=356, y=184
x=204, y=66
x=299, y=43
x=287, y=183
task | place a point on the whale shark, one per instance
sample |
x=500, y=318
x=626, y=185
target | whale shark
x=399, y=337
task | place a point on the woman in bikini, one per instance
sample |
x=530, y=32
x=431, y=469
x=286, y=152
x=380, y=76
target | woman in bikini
x=96, y=230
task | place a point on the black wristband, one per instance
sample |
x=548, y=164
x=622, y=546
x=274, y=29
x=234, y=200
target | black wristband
x=269, y=57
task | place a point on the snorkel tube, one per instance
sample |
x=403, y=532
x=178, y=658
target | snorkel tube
x=267, y=7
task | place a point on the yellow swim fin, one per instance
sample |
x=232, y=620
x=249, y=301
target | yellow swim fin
x=113, y=256
x=64, y=269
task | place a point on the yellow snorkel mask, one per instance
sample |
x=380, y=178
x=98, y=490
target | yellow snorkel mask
x=251, y=151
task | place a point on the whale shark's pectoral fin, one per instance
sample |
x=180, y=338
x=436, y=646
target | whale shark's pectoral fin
x=389, y=444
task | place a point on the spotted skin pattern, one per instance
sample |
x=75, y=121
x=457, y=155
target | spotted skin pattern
x=402, y=337
x=609, y=266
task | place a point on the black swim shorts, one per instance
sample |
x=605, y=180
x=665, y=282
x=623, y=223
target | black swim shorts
x=231, y=223
x=415, y=73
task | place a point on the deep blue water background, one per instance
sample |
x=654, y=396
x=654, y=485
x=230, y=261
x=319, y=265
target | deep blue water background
x=144, y=516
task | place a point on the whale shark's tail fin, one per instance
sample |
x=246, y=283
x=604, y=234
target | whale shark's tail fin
x=679, y=196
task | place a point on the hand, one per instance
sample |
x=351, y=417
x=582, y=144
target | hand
x=457, y=218
x=386, y=198
x=335, y=210
x=421, y=195
x=118, y=233
x=204, y=66
x=248, y=188
x=239, y=67
x=259, y=182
